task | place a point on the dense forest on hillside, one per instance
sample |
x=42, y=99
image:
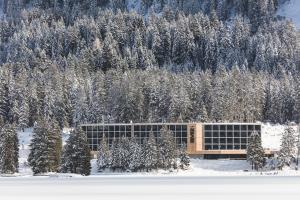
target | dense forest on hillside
x=147, y=61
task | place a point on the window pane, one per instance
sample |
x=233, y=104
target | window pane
x=216, y=147
x=216, y=127
x=229, y=140
x=216, y=140
x=243, y=134
x=208, y=127
x=244, y=140
x=250, y=127
x=222, y=140
x=208, y=140
x=208, y=134
x=237, y=134
x=216, y=134
x=208, y=147
x=111, y=128
x=237, y=127
x=237, y=141
x=222, y=134
x=257, y=128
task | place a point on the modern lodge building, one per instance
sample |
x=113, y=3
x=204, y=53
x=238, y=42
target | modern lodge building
x=208, y=140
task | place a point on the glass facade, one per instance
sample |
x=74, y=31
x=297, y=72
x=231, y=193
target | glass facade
x=139, y=131
x=228, y=136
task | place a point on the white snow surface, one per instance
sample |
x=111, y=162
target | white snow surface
x=291, y=10
x=149, y=188
x=271, y=135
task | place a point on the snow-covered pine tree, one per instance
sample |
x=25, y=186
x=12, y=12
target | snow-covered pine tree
x=45, y=147
x=54, y=146
x=124, y=153
x=135, y=157
x=150, y=153
x=184, y=157
x=167, y=149
x=9, y=150
x=104, y=155
x=255, y=152
x=287, y=148
x=115, y=155
x=76, y=154
x=38, y=156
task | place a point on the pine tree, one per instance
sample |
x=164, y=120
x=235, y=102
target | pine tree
x=76, y=154
x=116, y=155
x=104, y=155
x=287, y=148
x=135, y=156
x=150, y=153
x=54, y=146
x=255, y=152
x=9, y=150
x=167, y=149
x=184, y=158
x=38, y=156
x=45, y=147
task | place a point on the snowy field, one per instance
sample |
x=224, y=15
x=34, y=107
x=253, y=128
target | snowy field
x=183, y=188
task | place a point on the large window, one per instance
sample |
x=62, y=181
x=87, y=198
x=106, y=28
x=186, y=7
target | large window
x=228, y=136
x=140, y=131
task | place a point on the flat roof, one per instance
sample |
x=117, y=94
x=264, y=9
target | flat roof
x=126, y=124
x=171, y=123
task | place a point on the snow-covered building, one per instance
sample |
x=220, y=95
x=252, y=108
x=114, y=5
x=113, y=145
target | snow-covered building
x=209, y=140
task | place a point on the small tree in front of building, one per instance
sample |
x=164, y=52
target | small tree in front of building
x=184, y=158
x=255, y=152
x=168, y=151
x=104, y=155
x=150, y=153
x=287, y=151
x=76, y=154
x=135, y=157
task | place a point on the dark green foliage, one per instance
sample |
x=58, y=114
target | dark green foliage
x=45, y=147
x=76, y=154
x=9, y=149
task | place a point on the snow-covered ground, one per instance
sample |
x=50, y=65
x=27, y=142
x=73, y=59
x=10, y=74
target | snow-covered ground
x=271, y=135
x=149, y=188
x=291, y=10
